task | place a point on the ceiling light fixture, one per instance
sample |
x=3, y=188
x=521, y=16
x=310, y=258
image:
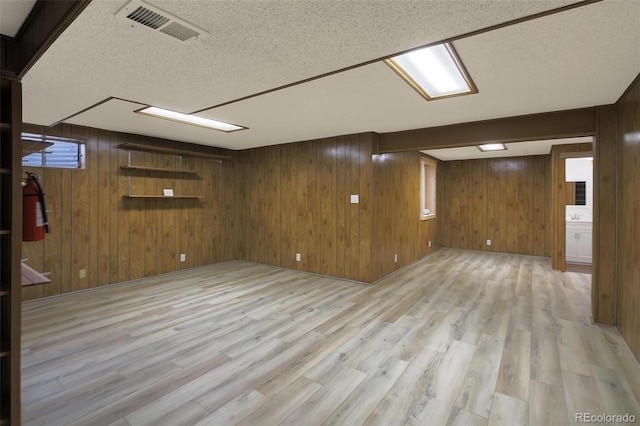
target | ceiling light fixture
x=193, y=120
x=435, y=72
x=492, y=147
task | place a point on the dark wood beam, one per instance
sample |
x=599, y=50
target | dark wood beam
x=547, y=125
x=9, y=56
x=47, y=20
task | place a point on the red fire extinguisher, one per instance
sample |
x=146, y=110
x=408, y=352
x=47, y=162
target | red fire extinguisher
x=34, y=213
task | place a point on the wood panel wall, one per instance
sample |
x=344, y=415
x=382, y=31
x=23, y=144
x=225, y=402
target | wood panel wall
x=265, y=205
x=561, y=196
x=10, y=244
x=397, y=227
x=505, y=200
x=428, y=231
x=628, y=260
x=114, y=239
x=603, y=281
x=295, y=198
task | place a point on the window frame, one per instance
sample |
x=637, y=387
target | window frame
x=428, y=187
x=35, y=138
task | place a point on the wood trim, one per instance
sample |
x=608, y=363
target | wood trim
x=43, y=26
x=16, y=246
x=559, y=200
x=603, y=284
x=158, y=169
x=584, y=154
x=627, y=116
x=372, y=61
x=9, y=54
x=97, y=104
x=634, y=84
x=163, y=150
x=161, y=196
x=11, y=237
x=547, y=125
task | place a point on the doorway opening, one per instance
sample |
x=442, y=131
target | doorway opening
x=579, y=213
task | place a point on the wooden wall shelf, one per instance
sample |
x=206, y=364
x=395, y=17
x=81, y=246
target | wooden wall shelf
x=161, y=196
x=162, y=150
x=159, y=169
x=180, y=171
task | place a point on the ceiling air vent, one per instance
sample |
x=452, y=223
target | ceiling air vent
x=147, y=17
x=159, y=20
x=179, y=31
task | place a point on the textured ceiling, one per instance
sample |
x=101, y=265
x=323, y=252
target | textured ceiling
x=579, y=57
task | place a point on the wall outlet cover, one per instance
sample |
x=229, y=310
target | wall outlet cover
x=488, y=242
x=297, y=257
x=355, y=198
x=183, y=257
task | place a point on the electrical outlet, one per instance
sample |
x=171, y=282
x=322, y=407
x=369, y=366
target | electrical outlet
x=297, y=257
x=488, y=242
x=183, y=257
x=395, y=258
x=429, y=243
x=82, y=273
x=355, y=199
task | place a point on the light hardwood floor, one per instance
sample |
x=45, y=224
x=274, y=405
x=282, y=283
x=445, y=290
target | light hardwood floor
x=459, y=338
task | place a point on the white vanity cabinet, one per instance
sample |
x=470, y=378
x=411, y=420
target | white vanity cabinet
x=579, y=242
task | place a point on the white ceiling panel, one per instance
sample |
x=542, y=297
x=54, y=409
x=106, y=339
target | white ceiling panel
x=118, y=115
x=514, y=149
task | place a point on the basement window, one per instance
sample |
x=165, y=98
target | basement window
x=427, y=188
x=52, y=151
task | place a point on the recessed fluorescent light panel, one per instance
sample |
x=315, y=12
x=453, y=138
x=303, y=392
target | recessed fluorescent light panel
x=492, y=147
x=435, y=72
x=193, y=120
